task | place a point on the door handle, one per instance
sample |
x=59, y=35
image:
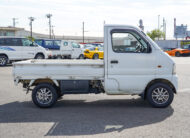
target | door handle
x=114, y=61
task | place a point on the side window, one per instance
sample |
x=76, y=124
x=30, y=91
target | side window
x=128, y=42
x=26, y=42
x=57, y=43
x=48, y=43
x=2, y=43
x=13, y=42
x=39, y=42
x=65, y=43
x=75, y=45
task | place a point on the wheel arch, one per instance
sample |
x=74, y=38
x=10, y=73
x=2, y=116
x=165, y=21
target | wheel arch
x=3, y=54
x=165, y=81
x=40, y=53
x=45, y=80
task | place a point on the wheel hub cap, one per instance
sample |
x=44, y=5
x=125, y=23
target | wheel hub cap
x=160, y=95
x=44, y=96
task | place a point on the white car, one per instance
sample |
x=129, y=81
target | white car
x=68, y=50
x=133, y=65
x=17, y=48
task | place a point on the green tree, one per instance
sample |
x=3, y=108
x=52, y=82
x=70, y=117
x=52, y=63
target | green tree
x=156, y=33
x=29, y=37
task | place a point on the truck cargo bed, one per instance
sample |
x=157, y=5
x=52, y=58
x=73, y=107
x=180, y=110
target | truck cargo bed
x=59, y=69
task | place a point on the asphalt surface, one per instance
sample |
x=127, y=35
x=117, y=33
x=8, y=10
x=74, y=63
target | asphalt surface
x=93, y=115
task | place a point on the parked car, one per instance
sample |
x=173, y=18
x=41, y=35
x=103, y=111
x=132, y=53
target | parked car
x=68, y=50
x=177, y=52
x=17, y=48
x=145, y=71
x=94, y=53
x=51, y=44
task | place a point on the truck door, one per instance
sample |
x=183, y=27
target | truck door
x=130, y=61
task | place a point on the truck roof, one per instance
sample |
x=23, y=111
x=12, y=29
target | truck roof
x=119, y=25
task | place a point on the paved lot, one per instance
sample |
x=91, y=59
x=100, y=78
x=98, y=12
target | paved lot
x=94, y=115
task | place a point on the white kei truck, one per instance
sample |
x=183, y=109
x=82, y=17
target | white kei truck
x=133, y=65
x=68, y=50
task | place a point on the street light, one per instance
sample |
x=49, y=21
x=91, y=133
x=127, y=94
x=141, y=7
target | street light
x=49, y=17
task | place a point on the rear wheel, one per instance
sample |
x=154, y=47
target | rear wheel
x=96, y=56
x=177, y=54
x=160, y=95
x=59, y=57
x=39, y=56
x=44, y=95
x=3, y=60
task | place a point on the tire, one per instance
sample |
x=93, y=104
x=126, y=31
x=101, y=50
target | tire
x=81, y=56
x=3, y=60
x=41, y=99
x=96, y=56
x=59, y=57
x=39, y=56
x=177, y=54
x=159, y=101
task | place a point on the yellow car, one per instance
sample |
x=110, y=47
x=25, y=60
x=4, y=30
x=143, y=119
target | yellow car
x=94, y=53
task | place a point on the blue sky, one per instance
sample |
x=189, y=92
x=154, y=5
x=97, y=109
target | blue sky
x=68, y=15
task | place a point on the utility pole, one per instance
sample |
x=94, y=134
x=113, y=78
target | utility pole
x=31, y=20
x=164, y=28
x=53, y=35
x=83, y=32
x=158, y=22
x=49, y=17
x=14, y=21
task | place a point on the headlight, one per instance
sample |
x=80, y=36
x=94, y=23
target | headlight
x=174, y=69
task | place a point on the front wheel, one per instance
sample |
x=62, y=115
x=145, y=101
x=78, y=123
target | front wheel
x=160, y=95
x=3, y=60
x=44, y=95
x=39, y=56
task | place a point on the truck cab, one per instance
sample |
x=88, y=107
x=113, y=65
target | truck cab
x=133, y=65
